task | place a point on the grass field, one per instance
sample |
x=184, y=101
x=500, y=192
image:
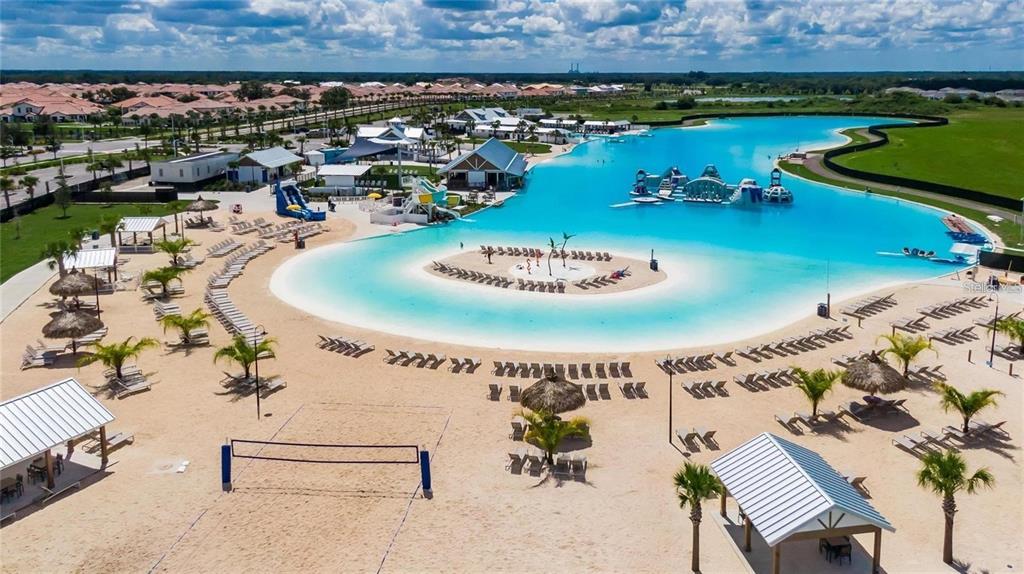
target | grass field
x=981, y=149
x=45, y=225
x=1008, y=231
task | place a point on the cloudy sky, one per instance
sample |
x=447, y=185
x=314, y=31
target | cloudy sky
x=513, y=35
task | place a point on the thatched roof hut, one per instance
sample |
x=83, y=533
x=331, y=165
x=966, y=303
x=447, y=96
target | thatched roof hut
x=873, y=375
x=72, y=325
x=553, y=394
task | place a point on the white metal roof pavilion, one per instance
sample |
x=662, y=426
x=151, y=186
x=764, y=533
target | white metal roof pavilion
x=141, y=224
x=45, y=418
x=91, y=259
x=343, y=169
x=789, y=492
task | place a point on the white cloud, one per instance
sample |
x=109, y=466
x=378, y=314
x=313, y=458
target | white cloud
x=131, y=23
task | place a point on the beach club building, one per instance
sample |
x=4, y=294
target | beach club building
x=191, y=171
x=492, y=165
x=266, y=166
x=341, y=175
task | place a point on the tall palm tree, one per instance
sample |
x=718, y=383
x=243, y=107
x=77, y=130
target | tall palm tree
x=547, y=431
x=565, y=240
x=163, y=276
x=186, y=323
x=906, y=348
x=174, y=247
x=29, y=182
x=816, y=384
x=108, y=226
x=7, y=186
x=945, y=474
x=1012, y=328
x=967, y=405
x=241, y=351
x=694, y=483
x=56, y=251
x=114, y=355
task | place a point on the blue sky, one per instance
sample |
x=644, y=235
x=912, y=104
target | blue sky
x=513, y=35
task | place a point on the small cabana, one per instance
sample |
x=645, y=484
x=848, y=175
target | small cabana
x=137, y=225
x=104, y=259
x=36, y=423
x=790, y=493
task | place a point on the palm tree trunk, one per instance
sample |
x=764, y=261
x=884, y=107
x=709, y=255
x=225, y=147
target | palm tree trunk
x=695, y=516
x=949, y=509
x=967, y=425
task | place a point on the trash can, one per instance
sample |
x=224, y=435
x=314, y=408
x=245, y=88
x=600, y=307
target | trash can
x=300, y=244
x=822, y=310
x=654, y=264
x=95, y=235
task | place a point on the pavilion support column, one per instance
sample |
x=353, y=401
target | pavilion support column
x=876, y=560
x=776, y=555
x=49, y=469
x=103, y=445
x=721, y=510
x=746, y=534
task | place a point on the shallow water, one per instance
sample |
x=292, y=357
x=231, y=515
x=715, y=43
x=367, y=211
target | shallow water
x=734, y=271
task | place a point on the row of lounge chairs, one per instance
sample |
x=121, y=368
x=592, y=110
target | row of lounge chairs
x=574, y=371
x=207, y=222
x=692, y=436
x=434, y=361
x=694, y=363
x=345, y=346
x=242, y=385
x=541, y=286
x=865, y=411
x=987, y=324
x=870, y=306
x=241, y=227
x=600, y=280
x=513, y=251
x=766, y=380
x=222, y=248
x=926, y=441
x=816, y=339
x=791, y=422
x=955, y=307
x=954, y=335
x=911, y=324
x=1009, y=352
x=300, y=230
x=44, y=354
x=229, y=316
x=234, y=265
x=705, y=389
x=470, y=275
x=568, y=466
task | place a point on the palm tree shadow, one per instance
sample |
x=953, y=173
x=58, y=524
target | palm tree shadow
x=999, y=445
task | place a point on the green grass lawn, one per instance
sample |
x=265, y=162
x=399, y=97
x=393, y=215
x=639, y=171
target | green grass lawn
x=981, y=149
x=1007, y=230
x=45, y=225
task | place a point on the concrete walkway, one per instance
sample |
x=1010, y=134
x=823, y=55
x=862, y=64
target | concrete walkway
x=19, y=288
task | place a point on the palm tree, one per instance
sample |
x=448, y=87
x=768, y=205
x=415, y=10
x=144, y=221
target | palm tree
x=109, y=226
x=7, y=186
x=242, y=352
x=114, y=355
x=174, y=247
x=694, y=483
x=551, y=243
x=548, y=431
x=906, y=348
x=967, y=405
x=186, y=323
x=56, y=251
x=565, y=239
x=163, y=276
x=29, y=182
x=1012, y=328
x=816, y=384
x=945, y=473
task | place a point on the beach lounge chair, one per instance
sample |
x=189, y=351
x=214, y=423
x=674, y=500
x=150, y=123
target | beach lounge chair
x=720, y=388
x=788, y=421
x=599, y=368
x=574, y=372
x=591, y=390
x=578, y=465
x=602, y=390
x=707, y=436
x=513, y=393
x=494, y=392
x=640, y=389
x=518, y=428
x=585, y=371
x=626, y=370
x=907, y=443
x=627, y=390
x=562, y=466
x=686, y=435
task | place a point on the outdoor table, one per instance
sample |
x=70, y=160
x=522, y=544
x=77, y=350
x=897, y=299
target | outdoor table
x=833, y=545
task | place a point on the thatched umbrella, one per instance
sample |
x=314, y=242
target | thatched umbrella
x=72, y=325
x=77, y=283
x=201, y=205
x=873, y=375
x=553, y=394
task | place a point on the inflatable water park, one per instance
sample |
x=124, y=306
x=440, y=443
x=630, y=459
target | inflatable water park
x=291, y=204
x=673, y=186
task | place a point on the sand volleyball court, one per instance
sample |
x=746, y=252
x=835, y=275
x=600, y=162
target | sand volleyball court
x=275, y=517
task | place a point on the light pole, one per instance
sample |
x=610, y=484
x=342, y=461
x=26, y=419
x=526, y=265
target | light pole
x=995, y=320
x=258, y=331
x=670, y=385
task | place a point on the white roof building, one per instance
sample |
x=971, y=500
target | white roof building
x=91, y=259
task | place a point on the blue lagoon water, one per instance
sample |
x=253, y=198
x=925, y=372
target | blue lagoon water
x=734, y=271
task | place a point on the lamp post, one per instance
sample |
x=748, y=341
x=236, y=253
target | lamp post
x=670, y=385
x=257, y=332
x=995, y=319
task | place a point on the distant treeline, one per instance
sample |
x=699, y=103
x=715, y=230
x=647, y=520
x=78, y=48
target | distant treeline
x=763, y=82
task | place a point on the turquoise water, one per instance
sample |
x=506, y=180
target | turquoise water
x=734, y=271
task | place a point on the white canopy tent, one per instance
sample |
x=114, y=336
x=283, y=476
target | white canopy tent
x=104, y=259
x=791, y=493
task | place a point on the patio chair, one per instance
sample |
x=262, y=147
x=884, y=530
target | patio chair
x=494, y=392
x=513, y=393
x=640, y=389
